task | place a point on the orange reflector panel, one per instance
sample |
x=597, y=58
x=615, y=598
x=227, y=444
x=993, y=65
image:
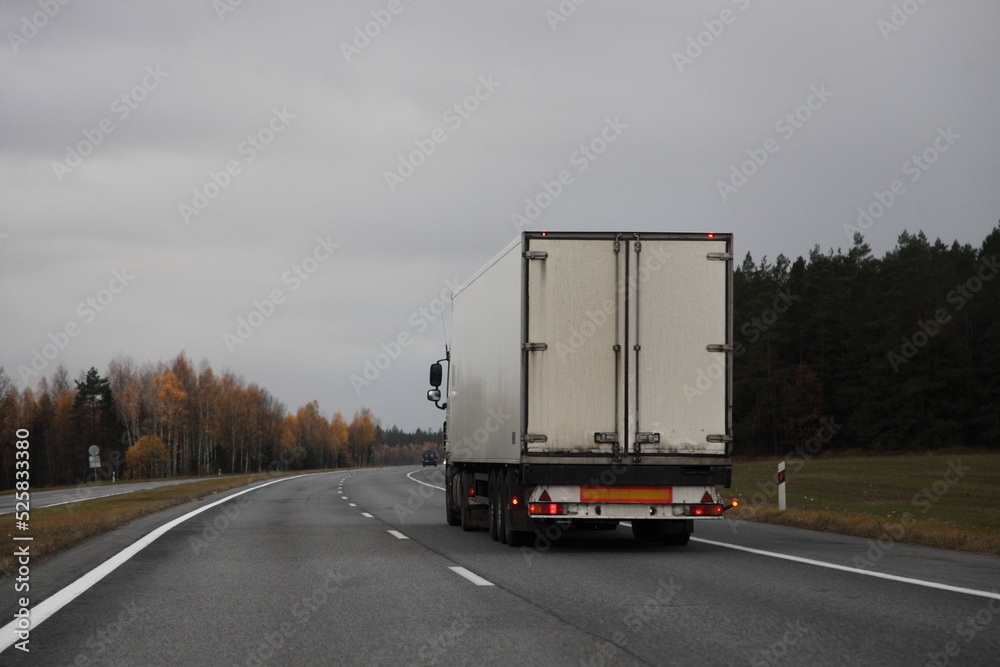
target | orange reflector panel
x=626, y=494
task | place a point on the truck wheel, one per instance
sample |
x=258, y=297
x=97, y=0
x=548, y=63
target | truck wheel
x=502, y=506
x=513, y=538
x=676, y=540
x=451, y=516
x=669, y=532
x=494, y=509
x=463, y=508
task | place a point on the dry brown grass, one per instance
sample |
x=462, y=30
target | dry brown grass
x=925, y=532
x=896, y=498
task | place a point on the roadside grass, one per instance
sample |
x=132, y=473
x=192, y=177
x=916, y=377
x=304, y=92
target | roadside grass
x=947, y=500
x=53, y=529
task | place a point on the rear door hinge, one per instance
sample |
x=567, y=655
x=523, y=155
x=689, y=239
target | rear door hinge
x=534, y=437
x=534, y=347
x=720, y=256
x=536, y=254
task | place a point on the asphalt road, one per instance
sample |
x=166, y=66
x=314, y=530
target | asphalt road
x=307, y=571
x=80, y=493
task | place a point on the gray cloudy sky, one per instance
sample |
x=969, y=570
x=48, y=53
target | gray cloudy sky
x=180, y=164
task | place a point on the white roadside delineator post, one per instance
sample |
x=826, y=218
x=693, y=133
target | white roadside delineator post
x=781, y=486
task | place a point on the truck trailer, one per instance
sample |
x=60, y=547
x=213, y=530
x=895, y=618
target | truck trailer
x=589, y=382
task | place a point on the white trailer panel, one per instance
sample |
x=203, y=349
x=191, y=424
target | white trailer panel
x=484, y=387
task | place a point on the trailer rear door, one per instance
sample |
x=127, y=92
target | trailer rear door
x=624, y=347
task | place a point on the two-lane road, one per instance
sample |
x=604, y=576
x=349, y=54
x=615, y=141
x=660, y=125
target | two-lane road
x=358, y=567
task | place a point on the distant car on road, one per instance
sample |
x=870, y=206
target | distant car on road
x=430, y=458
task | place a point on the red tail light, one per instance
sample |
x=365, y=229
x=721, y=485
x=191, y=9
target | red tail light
x=546, y=509
x=704, y=510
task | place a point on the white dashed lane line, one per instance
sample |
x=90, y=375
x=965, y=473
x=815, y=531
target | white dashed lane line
x=471, y=576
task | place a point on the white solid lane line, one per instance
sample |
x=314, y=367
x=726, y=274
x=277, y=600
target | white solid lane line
x=42, y=611
x=854, y=570
x=398, y=535
x=471, y=576
x=433, y=486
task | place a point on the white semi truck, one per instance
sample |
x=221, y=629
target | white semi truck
x=590, y=382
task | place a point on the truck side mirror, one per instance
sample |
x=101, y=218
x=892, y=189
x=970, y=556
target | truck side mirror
x=434, y=395
x=436, y=375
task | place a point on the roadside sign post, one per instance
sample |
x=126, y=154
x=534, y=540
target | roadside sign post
x=781, y=487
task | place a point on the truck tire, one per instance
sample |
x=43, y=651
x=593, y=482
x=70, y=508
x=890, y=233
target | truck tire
x=669, y=532
x=463, y=508
x=450, y=513
x=494, y=509
x=513, y=538
x=501, y=505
